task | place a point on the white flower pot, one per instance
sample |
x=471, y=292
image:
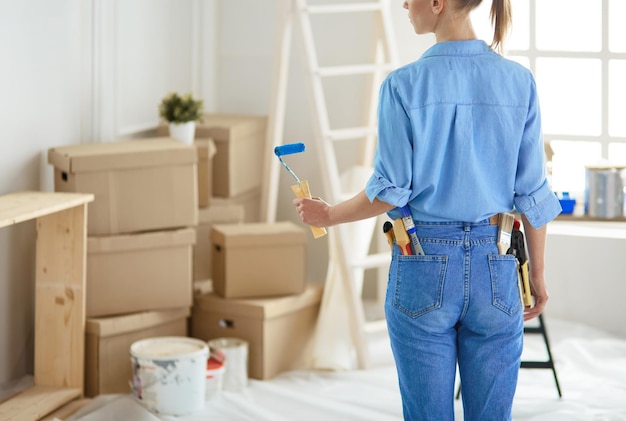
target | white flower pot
x=183, y=132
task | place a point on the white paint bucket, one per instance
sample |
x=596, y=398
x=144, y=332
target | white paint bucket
x=235, y=352
x=169, y=374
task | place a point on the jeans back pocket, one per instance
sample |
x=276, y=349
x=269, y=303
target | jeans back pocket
x=419, y=283
x=504, y=282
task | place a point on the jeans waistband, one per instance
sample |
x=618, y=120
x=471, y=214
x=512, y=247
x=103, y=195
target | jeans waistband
x=492, y=220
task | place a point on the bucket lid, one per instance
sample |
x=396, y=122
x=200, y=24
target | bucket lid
x=605, y=166
x=225, y=343
x=168, y=347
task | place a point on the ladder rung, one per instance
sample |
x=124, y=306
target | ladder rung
x=347, y=195
x=532, y=329
x=536, y=364
x=373, y=261
x=355, y=69
x=351, y=133
x=343, y=8
x=375, y=326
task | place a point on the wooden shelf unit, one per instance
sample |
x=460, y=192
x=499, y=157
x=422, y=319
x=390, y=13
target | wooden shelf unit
x=61, y=253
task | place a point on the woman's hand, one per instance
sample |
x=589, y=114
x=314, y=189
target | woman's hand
x=313, y=211
x=536, y=243
x=540, y=298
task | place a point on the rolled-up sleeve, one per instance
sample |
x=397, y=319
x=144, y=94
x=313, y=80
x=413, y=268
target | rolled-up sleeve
x=533, y=195
x=381, y=188
x=540, y=207
x=393, y=163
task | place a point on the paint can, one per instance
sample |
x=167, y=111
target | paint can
x=604, y=191
x=235, y=353
x=169, y=374
x=214, y=375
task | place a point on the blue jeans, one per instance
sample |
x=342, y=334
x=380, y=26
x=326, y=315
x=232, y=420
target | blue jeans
x=458, y=304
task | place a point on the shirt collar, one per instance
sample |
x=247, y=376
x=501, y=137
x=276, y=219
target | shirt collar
x=458, y=48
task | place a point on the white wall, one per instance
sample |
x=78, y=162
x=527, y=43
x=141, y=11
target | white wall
x=82, y=71
x=586, y=273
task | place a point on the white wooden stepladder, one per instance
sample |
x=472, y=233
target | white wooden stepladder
x=349, y=244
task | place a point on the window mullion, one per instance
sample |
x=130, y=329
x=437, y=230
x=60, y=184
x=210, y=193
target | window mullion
x=605, y=79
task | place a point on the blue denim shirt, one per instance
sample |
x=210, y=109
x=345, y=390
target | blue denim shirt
x=459, y=138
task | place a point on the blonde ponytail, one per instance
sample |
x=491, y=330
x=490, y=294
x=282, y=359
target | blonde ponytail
x=500, y=16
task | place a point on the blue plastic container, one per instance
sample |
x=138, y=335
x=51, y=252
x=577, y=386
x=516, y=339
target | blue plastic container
x=567, y=203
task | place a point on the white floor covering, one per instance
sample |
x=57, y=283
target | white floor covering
x=591, y=366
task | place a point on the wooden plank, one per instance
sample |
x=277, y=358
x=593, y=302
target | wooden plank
x=36, y=402
x=23, y=206
x=60, y=298
x=67, y=410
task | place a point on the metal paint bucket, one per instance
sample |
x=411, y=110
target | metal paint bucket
x=214, y=377
x=169, y=374
x=604, y=192
x=235, y=351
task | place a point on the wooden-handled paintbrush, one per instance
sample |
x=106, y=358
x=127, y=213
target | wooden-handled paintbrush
x=505, y=226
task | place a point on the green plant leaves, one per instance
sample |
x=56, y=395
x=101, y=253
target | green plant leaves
x=175, y=108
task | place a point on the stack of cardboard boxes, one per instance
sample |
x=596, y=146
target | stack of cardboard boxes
x=260, y=295
x=141, y=231
x=153, y=231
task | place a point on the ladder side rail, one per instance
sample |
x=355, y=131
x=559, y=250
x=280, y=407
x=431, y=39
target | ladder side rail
x=389, y=36
x=380, y=57
x=330, y=174
x=368, y=148
x=276, y=121
x=387, y=52
x=331, y=179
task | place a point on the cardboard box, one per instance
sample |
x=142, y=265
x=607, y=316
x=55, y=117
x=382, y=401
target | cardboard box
x=279, y=331
x=136, y=272
x=240, y=142
x=258, y=259
x=139, y=185
x=108, y=340
x=206, y=150
x=228, y=214
x=250, y=200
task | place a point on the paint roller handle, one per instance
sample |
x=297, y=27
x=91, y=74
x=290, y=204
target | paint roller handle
x=302, y=191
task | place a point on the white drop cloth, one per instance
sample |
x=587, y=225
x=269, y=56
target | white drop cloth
x=591, y=366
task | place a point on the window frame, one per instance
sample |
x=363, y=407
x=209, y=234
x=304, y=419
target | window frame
x=532, y=54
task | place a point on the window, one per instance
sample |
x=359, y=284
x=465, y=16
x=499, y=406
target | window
x=577, y=51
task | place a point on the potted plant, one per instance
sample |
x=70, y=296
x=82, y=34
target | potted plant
x=181, y=112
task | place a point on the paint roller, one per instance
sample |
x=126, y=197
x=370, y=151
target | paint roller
x=301, y=189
